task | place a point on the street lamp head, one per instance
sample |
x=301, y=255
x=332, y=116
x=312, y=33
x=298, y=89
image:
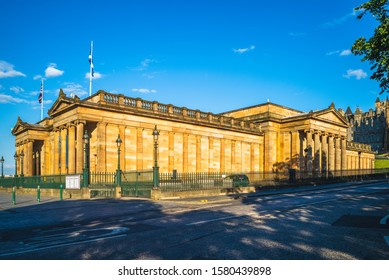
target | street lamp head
x=2, y=159
x=118, y=141
x=155, y=133
x=86, y=137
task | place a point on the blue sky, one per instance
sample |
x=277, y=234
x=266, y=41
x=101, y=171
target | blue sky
x=209, y=55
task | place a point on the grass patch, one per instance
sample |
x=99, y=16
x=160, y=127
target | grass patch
x=381, y=163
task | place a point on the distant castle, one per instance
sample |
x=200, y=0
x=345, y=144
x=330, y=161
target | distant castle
x=370, y=127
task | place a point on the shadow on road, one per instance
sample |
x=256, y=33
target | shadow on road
x=247, y=228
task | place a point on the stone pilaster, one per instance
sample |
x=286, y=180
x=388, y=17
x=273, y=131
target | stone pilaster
x=185, y=152
x=171, y=152
x=139, y=148
x=101, y=147
x=222, y=155
x=198, y=153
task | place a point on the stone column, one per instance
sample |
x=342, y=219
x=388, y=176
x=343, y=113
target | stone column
x=294, y=149
x=80, y=147
x=331, y=154
x=317, y=155
x=338, y=156
x=64, y=133
x=344, y=153
x=324, y=153
x=301, y=152
x=72, y=149
x=309, y=150
x=29, y=161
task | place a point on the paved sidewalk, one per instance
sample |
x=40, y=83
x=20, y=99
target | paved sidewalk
x=28, y=213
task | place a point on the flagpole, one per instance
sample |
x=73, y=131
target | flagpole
x=42, y=102
x=90, y=68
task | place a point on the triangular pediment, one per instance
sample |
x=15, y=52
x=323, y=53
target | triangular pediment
x=60, y=104
x=19, y=127
x=330, y=115
x=22, y=126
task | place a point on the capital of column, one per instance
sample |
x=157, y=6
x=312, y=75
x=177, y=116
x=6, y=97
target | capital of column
x=77, y=122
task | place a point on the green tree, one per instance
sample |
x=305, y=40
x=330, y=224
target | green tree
x=376, y=49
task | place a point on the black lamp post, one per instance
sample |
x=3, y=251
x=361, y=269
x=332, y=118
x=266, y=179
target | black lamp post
x=21, y=162
x=16, y=164
x=86, y=171
x=155, y=167
x=2, y=166
x=118, y=171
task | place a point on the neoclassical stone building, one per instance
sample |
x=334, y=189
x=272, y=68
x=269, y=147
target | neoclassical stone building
x=265, y=137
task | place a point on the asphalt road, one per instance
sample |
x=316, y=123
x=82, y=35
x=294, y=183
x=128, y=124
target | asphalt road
x=341, y=222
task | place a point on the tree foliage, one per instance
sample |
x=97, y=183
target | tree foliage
x=376, y=49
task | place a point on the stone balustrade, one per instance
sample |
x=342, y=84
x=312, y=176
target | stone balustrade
x=182, y=113
x=359, y=146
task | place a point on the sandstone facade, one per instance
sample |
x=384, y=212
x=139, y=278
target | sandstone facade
x=265, y=137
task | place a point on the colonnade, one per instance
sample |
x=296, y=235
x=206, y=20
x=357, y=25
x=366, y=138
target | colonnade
x=67, y=148
x=321, y=151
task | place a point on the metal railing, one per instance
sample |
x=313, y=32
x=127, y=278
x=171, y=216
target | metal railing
x=193, y=181
x=44, y=181
x=140, y=183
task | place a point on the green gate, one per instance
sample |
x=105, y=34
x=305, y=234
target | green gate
x=137, y=183
x=102, y=185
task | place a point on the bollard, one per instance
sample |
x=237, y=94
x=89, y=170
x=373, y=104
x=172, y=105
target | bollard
x=60, y=192
x=38, y=194
x=14, y=195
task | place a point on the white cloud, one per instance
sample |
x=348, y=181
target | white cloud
x=52, y=71
x=38, y=77
x=76, y=89
x=358, y=74
x=16, y=89
x=7, y=70
x=340, y=53
x=341, y=20
x=144, y=90
x=96, y=75
x=333, y=52
x=145, y=64
x=5, y=99
x=345, y=53
x=297, y=34
x=252, y=47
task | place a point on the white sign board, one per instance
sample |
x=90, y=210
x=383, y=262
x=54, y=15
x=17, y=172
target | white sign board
x=73, y=182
